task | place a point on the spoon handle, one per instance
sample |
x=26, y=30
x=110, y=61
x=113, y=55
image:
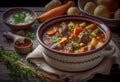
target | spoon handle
x=12, y=36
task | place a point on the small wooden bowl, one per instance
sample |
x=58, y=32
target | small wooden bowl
x=12, y=11
x=22, y=45
x=25, y=48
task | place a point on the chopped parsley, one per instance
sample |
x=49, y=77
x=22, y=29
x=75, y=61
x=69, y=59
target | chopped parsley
x=19, y=17
x=30, y=35
x=55, y=39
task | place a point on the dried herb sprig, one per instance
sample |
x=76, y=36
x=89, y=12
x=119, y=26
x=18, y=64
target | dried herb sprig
x=23, y=71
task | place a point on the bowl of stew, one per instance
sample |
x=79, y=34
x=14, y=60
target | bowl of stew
x=19, y=18
x=74, y=43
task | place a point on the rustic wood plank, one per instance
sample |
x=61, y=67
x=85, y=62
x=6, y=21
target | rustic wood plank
x=37, y=9
x=8, y=45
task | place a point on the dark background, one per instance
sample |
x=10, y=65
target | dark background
x=12, y=3
x=31, y=3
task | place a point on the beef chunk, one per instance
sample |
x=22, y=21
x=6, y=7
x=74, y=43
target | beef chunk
x=56, y=46
x=64, y=29
x=84, y=38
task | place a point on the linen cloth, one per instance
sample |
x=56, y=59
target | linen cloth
x=36, y=57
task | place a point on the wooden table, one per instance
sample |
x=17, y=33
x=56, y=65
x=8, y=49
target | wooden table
x=8, y=45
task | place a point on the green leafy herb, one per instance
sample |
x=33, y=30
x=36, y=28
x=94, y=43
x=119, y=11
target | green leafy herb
x=91, y=34
x=75, y=44
x=99, y=31
x=22, y=71
x=36, y=24
x=19, y=17
x=55, y=39
x=76, y=51
x=30, y=35
x=63, y=23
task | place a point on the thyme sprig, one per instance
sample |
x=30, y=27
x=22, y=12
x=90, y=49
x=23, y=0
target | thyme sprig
x=23, y=71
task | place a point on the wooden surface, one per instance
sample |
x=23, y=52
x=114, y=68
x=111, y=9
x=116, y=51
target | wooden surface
x=8, y=45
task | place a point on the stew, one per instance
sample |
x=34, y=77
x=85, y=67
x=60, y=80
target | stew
x=74, y=36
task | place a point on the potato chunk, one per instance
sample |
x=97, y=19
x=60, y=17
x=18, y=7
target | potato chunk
x=102, y=11
x=117, y=14
x=94, y=42
x=89, y=7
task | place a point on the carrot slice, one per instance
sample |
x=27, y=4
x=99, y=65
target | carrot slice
x=51, y=32
x=81, y=50
x=63, y=40
x=72, y=36
x=77, y=30
x=47, y=42
x=67, y=51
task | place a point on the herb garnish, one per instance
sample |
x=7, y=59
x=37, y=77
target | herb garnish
x=36, y=24
x=30, y=35
x=55, y=39
x=19, y=17
x=23, y=71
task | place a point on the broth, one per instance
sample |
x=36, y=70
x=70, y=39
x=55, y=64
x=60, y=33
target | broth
x=74, y=36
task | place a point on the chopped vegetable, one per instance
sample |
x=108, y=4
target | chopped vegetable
x=77, y=31
x=94, y=42
x=99, y=31
x=76, y=51
x=63, y=40
x=71, y=24
x=82, y=50
x=91, y=34
x=75, y=44
x=83, y=24
x=72, y=36
x=55, y=39
x=47, y=42
x=51, y=32
x=63, y=23
x=76, y=39
x=82, y=44
x=67, y=51
x=91, y=27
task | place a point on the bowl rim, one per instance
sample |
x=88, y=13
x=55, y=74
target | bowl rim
x=21, y=8
x=102, y=18
x=101, y=24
